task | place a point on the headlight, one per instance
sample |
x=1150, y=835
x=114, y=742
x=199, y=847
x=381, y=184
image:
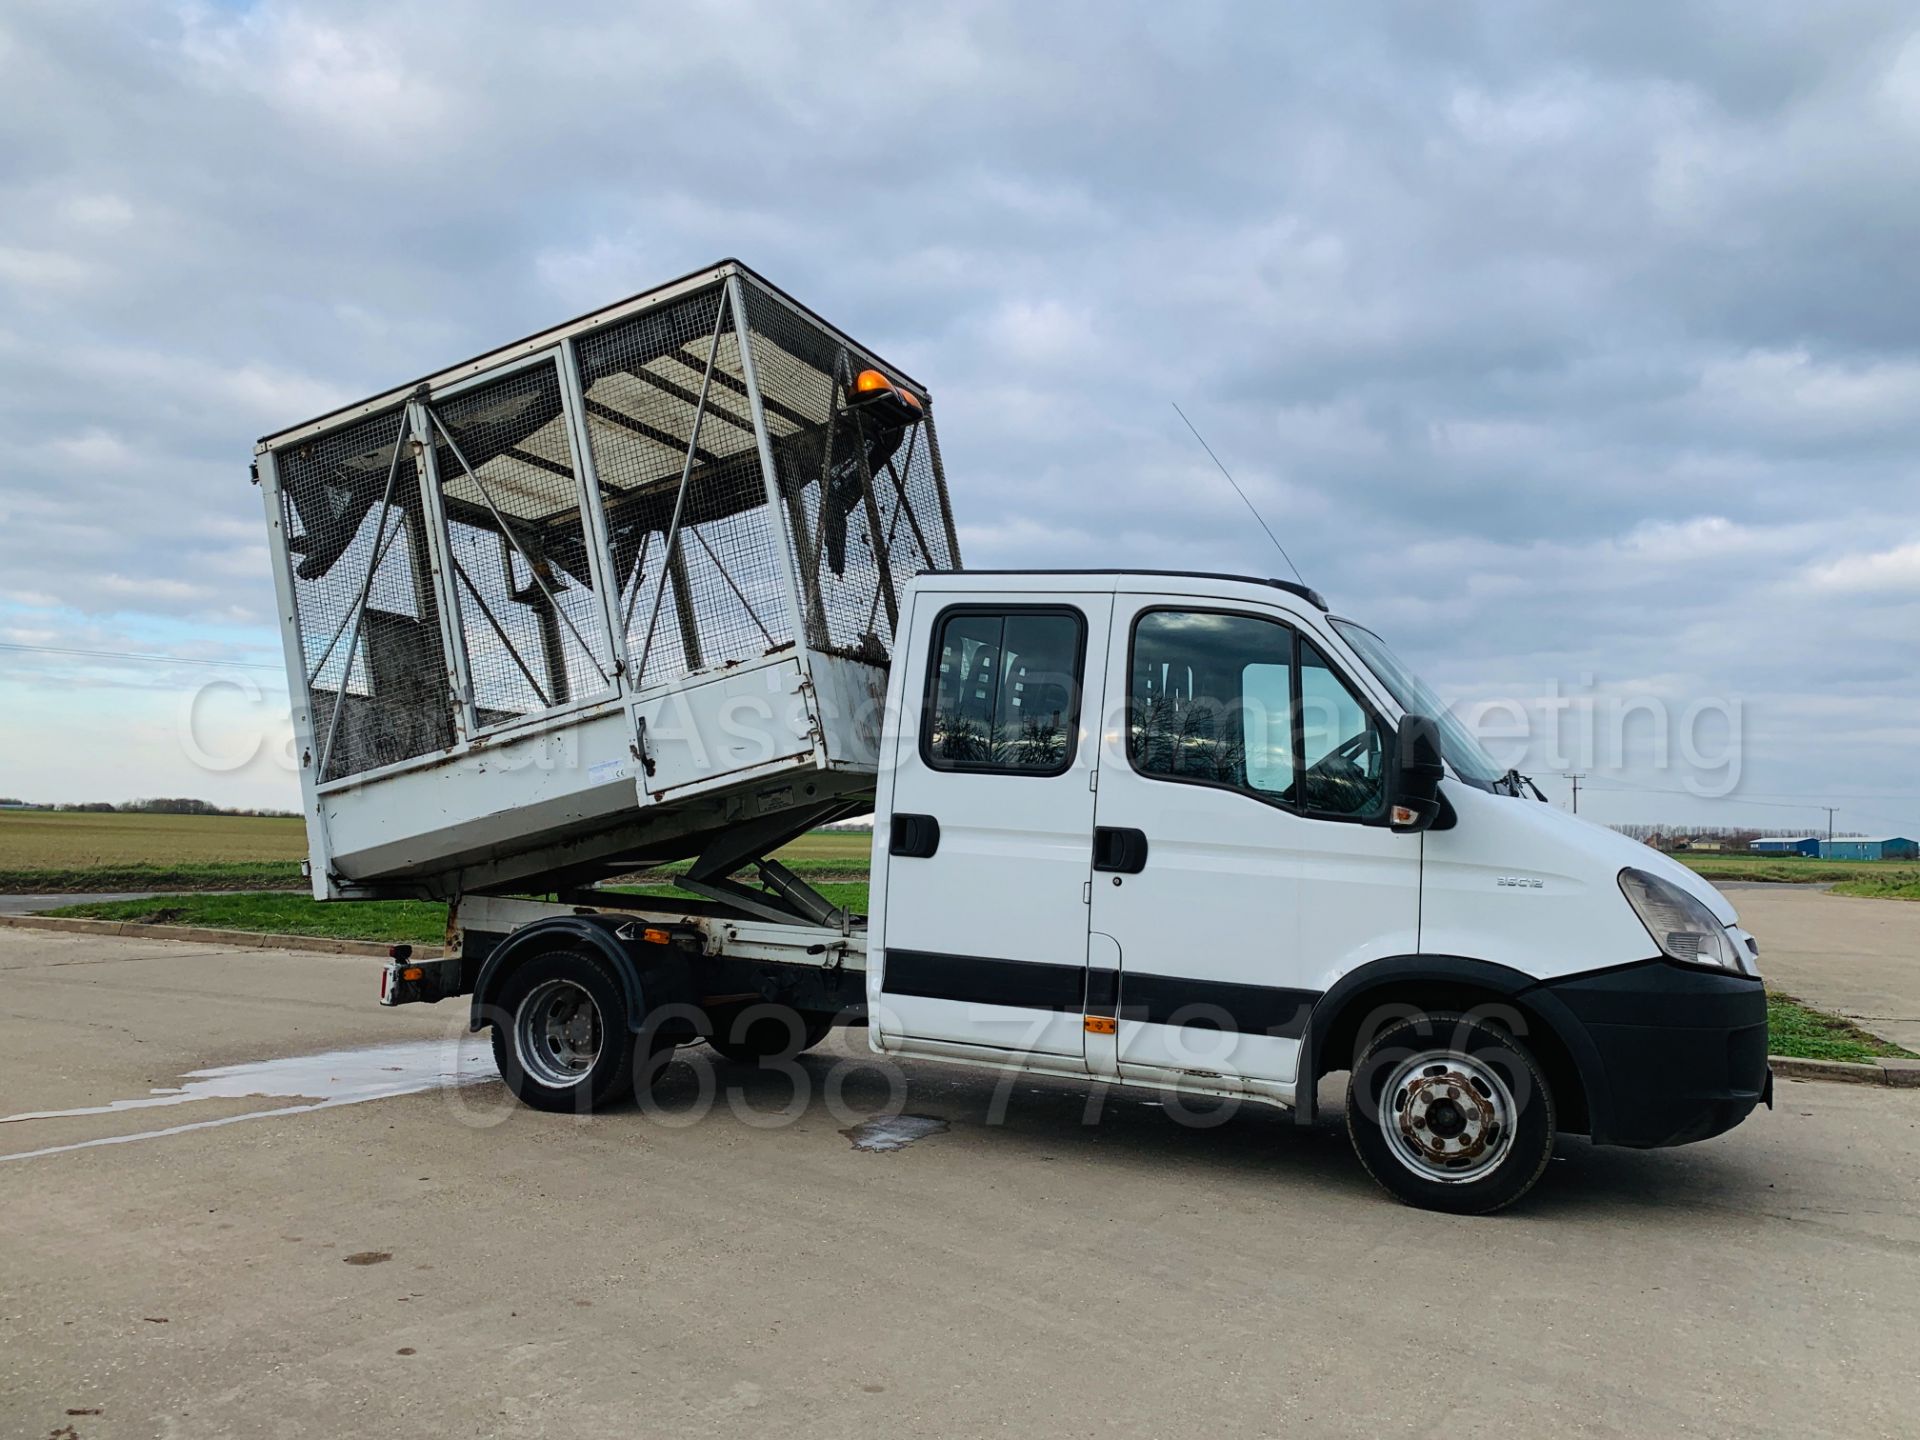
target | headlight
x=1683, y=928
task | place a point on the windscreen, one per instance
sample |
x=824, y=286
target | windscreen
x=1415, y=697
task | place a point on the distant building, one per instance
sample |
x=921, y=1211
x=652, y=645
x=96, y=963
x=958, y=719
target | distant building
x=1705, y=845
x=1785, y=845
x=1871, y=847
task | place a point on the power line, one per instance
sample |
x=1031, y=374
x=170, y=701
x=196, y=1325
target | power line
x=1816, y=800
x=1879, y=817
x=131, y=655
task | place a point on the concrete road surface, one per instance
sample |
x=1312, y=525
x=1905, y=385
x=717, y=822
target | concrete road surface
x=439, y=1263
x=1856, y=957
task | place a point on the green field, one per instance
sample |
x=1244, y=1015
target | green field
x=847, y=850
x=1882, y=879
x=54, y=852
x=46, y=851
x=67, y=840
x=418, y=922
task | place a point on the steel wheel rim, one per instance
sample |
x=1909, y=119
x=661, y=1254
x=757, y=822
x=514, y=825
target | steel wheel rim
x=1448, y=1116
x=557, y=1034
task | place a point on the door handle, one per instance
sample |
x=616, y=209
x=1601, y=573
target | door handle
x=1120, y=850
x=914, y=836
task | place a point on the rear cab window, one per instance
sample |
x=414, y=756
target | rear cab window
x=1003, y=689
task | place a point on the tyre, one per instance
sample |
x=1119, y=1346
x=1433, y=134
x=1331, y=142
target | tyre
x=767, y=1032
x=562, y=1041
x=1450, y=1113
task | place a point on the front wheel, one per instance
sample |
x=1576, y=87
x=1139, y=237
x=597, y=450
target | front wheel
x=1450, y=1113
x=562, y=1041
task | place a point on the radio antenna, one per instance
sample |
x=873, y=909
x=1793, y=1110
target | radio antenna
x=1241, y=493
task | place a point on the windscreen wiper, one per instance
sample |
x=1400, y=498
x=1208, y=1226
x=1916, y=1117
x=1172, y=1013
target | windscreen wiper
x=1513, y=780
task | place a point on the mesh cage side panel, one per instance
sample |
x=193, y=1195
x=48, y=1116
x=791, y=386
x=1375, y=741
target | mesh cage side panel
x=535, y=632
x=865, y=505
x=338, y=522
x=718, y=598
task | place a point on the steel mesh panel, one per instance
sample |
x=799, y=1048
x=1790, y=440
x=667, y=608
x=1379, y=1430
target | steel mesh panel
x=341, y=516
x=866, y=503
x=535, y=631
x=717, y=598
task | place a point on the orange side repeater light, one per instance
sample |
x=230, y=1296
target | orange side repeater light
x=1101, y=1025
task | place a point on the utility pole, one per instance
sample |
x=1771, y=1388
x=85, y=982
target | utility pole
x=1576, y=779
x=1829, y=809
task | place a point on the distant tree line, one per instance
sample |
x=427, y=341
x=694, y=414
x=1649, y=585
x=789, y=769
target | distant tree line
x=175, y=805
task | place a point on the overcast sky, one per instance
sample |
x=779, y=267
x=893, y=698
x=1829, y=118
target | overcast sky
x=1575, y=348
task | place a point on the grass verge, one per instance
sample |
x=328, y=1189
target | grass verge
x=1807, y=1034
x=1894, y=885
x=1874, y=879
x=417, y=922
x=197, y=875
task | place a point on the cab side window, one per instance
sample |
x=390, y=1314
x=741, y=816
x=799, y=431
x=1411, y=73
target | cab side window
x=1003, y=691
x=1343, y=753
x=1211, y=701
x=1243, y=702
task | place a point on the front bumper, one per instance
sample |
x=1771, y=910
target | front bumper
x=1671, y=1054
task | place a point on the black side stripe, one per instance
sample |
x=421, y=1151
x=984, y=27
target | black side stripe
x=1154, y=999
x=1103, y=991
x=978, y=980
x=1216, y=1005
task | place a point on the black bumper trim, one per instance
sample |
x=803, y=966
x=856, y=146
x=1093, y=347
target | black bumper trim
x=1678, y=1054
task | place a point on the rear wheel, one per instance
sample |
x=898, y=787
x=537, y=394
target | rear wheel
x=1450, y=1113
x=562, y=1042
x=767, y=1032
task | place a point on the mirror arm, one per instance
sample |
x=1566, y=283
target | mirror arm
x=1414, y=802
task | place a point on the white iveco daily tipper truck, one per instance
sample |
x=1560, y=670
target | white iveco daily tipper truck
x=678, y=580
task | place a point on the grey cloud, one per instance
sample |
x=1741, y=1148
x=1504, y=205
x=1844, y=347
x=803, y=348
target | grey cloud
x=1558, y=340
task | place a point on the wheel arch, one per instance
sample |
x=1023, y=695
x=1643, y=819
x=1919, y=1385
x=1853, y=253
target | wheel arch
x=1560, y=1043
x=591, y=934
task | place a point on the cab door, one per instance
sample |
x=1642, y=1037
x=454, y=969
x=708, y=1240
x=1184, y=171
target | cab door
x=987, y=860
x=1241, y=855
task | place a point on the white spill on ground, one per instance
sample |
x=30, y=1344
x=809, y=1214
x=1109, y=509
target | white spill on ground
x=331, y=1078
x=893, y=1132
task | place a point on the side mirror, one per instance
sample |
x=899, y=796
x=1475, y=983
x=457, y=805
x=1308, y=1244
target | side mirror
x=1414, y=801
